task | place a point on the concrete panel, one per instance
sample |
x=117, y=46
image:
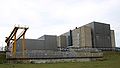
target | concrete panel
x=50, y=42
x=76, y=37
x=66, y=34
x=31, y=44
x=46, y=42
x=85, y=37
x=69, y=38
x=101, y=36
x=113, y=38
x=61, y=41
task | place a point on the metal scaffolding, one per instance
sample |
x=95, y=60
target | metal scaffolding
x=12, y=39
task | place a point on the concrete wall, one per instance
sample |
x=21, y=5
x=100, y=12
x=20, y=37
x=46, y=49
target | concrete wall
x=31, y=44
x=61, y=60
x=61, y=41
x=76, y=37
x=50, y=42
x=85, y=37
x=101, y=36
x=68, y=38
x=82, y=37
x=46, y=42
x=113, y=38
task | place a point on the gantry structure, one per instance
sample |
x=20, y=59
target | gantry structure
x=13, y=37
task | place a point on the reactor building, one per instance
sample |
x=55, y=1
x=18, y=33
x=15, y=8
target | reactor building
x=92, y=35
x=86, y=41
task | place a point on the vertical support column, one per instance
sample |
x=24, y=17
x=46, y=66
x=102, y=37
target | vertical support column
x=23, y=46
x=14, y=46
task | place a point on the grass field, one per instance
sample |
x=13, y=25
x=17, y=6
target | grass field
x=112, y=60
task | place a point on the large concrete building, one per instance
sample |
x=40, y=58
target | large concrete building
x=92, y=35
x=81, y=42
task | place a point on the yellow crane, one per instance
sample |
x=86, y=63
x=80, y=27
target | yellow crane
x=13, y=39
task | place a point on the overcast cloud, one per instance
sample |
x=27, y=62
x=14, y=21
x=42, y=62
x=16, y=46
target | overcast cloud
x=55, y=17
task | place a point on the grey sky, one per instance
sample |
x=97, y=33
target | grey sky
x=55, y=17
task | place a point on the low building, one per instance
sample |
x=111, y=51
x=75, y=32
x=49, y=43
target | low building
x=46, y=42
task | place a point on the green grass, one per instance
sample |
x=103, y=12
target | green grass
x=112, y=60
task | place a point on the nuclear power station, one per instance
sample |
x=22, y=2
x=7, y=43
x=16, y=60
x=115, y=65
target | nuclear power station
x=85, y=42
x=93, y=35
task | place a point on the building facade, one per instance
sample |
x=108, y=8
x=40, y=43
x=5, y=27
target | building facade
x=92, y=35
x=46, y=42
x=101, y=35
x=81, y=42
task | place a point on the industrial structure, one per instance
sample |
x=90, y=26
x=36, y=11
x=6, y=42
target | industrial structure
x=46, y=42
x=93, y=35
x=82, y=42
x=12, y=40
